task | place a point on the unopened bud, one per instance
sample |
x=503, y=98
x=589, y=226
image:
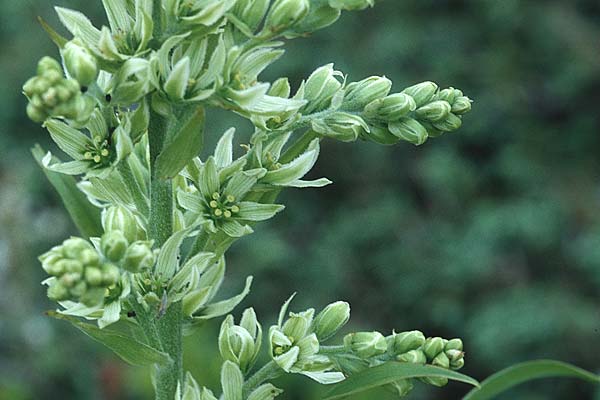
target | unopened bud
x=359, y=94
x=413, y=356
x=382, y=135
x=434, y=111
x=449, y=124
x=298, y=324
x=391, y=108
x=251, y=11
x=139, y=256
x=93, y=297
x=410, y=130
x=80, y=63
x=449, y=94
x=286, y=13
x=320, y=87
x=433, y=346
x=341, y=126
x=366, y=344
x=454, y=344
x=93, y=276
x=441, y=360
x=114, y=245
x=461, y=105
x=47, y=64
x=407, y=341
x=331, y=319
x=110, y=274
x=118, y=218
x=58, y=292
x=421, y=92
x=73, y=247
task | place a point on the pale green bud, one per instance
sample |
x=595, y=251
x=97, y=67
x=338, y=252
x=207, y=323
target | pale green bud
x=381, y=134
x=449, y=94
x=341, y=126
x=71, y=266
x=238, y=344
x=285, y=14
x=47, y=64
x=73, y=247
x=433, y=346
x=280, y=88
x=320, y=87
x=110, y=274
x=454, y=344
x=298, y=324
x=139, y=256
x=441, y=360
x=80, y=63
x=413, y=356
x=70, y=279
x=58, y=292
x=119, y=218
x=36, y=114
x=331, y=319
x=422, y=93
x=406, y=341
x=350, y=5
x=251, y=12
x=78, y=289
x=50, y=263
x=318, y=18
x=458, y=364
x=359, y=94
x=434, y=111
x=114, y=245
x=449, y=124
x=93, y=297
x=454, y=355
x=391, y=108
x=461, y=105
x=410, y=130
x=366, y=344
x=93, y=276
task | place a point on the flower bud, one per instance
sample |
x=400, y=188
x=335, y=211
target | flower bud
x=341, y=126
x=351, y=5
x=449, y=124
x=280, y=88
x=454, y=344
x=407, y=341
x=80, y=63
x=359, y=94
x=139, y=256
x=320, y=87
x=410, y=130
x=381, y=134
x=114, y=245
x=297, y=325
x=58, y=292
x=251, y=12
x=72, y=247
x=434, y=111
x=458, y=364
x=93, y=276
x=318, y=18
x=441, y=360
x=433, y=346
x=413, y=356
x=47, y=64
x=391, y=108
x=238, y=345
x=119, y=218
x=78, y=288
x=331, y=319
x=461, y=105
x=366, y=344
x=110, y=274
x=286, y=13
x=449, y=94
x=421, y=92
x=93, y=296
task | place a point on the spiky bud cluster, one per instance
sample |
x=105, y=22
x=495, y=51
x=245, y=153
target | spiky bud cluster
x=131, y=256
x=50, y=94
x=80, y=273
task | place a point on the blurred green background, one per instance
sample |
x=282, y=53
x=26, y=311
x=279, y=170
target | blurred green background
x=491, y=234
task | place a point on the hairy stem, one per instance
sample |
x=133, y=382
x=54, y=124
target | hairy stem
x=269, y=371
x=160, y=227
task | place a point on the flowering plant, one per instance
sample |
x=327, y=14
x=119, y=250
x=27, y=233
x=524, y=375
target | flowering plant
x=127, y=105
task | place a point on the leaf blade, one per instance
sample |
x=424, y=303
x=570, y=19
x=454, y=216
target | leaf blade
x=524, y=372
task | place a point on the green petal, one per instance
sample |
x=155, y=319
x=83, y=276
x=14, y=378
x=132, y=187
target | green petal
x=209, y=178
x=251, y=211
x=190, y=201
x=70, y=140
x=235, y=229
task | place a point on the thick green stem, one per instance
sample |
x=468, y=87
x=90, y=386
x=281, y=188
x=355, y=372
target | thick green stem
x=269, y=371
x=167, y=327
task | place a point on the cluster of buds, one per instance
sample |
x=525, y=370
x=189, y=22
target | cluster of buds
x=79, y=273
x=294, y=344
x=133, y=257
x=50, y=94
x=417, y=113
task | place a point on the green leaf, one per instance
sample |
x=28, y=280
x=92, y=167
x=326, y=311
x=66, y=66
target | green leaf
x=527, y=371
x=232, y=381
x=129, y=349
x=391, y=372
x=226, y=306
x=85, y=216
x=185, y=137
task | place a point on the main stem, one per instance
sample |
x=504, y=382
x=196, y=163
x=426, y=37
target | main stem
x=164, y=330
